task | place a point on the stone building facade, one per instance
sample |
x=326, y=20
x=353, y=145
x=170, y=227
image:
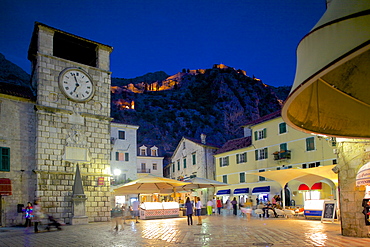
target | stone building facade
x=124, y=153
x=149, y=161
x=71, y=129
x=17, y=138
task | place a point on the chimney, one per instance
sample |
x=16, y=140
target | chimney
x=247, y=131
x=203, y=138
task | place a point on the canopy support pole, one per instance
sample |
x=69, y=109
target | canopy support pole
x=283, y=195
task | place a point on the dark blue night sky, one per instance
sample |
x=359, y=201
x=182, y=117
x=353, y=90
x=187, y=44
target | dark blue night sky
x=258, y=36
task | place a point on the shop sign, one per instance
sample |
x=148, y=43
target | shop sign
x=5, y=187
x=100, y=181
x=363, y=175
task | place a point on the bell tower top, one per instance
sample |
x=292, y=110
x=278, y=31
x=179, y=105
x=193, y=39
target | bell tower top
x=54, y=42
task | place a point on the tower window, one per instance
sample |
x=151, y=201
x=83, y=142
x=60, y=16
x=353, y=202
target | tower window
x=74, y=49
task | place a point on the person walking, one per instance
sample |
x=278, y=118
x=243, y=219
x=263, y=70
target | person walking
x=28, y=214
x=214, y=210
x=235, y=206
x=209, y=207
x=198, y=207
x=189, y=211
x=229, y=206
x=135, y=210
x=37, y=211
x=219, y=205
x=125, y=213
x=248, y=208
x=116, y=215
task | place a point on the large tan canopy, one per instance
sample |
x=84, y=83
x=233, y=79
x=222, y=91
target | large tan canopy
x=308, y=176
x=330, y=94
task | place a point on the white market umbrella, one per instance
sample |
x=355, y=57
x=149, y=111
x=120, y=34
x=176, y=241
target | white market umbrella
x=149, y=184
x=199, y=183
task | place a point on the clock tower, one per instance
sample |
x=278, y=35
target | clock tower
x=71, y=78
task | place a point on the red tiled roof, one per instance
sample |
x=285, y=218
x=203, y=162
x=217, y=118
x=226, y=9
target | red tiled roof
x=265, y=118
x=16, y=90
x=235, y=144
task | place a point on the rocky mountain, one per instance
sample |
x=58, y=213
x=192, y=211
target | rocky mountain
x=11, y=73
x=215, y=101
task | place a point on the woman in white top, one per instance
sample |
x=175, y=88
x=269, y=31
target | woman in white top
x=198, y=208
x=229, y=206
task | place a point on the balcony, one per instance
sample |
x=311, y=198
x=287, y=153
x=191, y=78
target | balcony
x=282, y=155
x=143, y=170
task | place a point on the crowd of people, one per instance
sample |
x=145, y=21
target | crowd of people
x=214, y=206
x=33, y=213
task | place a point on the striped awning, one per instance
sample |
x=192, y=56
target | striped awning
x=5, y=187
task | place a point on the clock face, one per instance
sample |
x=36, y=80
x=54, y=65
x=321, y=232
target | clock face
x=76, y=85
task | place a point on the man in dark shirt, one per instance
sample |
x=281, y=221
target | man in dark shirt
x=268, y=206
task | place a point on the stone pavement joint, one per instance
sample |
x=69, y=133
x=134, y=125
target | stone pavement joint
x=216, y=231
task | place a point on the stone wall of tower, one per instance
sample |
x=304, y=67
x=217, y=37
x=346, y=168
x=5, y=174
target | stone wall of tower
x=353, y=154
x=82, y=128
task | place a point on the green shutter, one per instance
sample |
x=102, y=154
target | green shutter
x=4, y=159
x=126, y=156
x=266, y=152
x=117, y=155
x=255, y=135
x=264, y=133
x=282, y=128
x=256, y=153
x=227, y=160
x=283, y=147
x=184, y=163
x=220, y=159
x=237, y=159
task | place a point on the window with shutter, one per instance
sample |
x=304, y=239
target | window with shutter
x=260, y=134
x=310, y=143
x=242, y=177
x=282, y=128
x=283, y=147
x=4, y=159
x=224, y=179
x=121, y=135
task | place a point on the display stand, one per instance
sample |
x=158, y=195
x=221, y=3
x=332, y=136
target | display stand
x=328, y=212
x=159, y=210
